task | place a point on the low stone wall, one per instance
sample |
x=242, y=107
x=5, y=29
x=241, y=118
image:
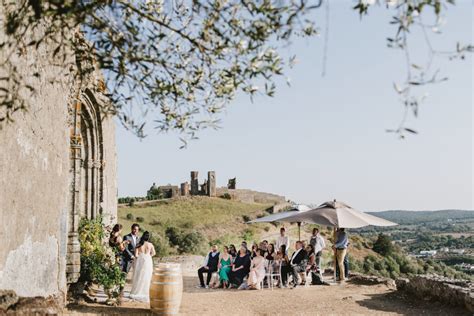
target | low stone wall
x=249, y=196
x=434, y=287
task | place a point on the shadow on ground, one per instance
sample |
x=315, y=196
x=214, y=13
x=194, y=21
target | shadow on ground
x=107, y=310
x=393, y=301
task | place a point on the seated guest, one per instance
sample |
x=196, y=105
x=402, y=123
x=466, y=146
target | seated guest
x=241, y=267
x=311, y=260
x=254, y=251
x=270, y=253
x=232, y=251
x=244, y=243
x=297, y=262
x=257, y=271
x=210, y=266
x=225, y=262
x=284, y=261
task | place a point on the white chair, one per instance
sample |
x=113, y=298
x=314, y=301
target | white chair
x=273, y=273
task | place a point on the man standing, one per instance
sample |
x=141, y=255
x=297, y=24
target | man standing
x=318, y=243
x=340, y=247
x=128, y=254
x=297, y=264
x=283, y=240
x=210, y=266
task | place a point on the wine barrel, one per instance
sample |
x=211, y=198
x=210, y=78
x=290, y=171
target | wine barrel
x=166, y=289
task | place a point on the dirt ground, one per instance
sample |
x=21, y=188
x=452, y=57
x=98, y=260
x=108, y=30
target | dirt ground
x=348, y=299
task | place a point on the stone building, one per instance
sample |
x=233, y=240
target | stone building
x=57, y=165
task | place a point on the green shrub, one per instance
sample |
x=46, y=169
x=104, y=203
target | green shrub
x=267, y=228
x=226, y=196
x=129, y=216
x=174, y=235
x=246, y=218
x=161, y=244
x=140, y=219
x=98, y=261
x=193, y=242
x=383, y=245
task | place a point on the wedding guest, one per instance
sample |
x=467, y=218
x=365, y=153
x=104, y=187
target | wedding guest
x=232, y=251
x=241, y=267
x=283, y=240
x=346, y=264
x=128, y=255
x=115, y=239
x=210, y=266
x=340, y=247
x=257, y=270
x=270, y=254
x=225, y=262
x=143, y=270
x=311, y=265
x=284, y=261
x=244, y=243
x=254, y=251
x=297, y=262
x=318, y=243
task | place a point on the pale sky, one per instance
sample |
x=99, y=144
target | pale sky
x=324, y=138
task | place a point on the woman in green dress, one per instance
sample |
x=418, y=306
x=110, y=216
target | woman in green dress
x=225, y=262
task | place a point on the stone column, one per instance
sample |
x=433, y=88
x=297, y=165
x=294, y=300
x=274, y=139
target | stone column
x=184, y=189
x=211, y=184
x=194, y=183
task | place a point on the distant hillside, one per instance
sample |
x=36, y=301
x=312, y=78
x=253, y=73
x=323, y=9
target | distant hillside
x=418, y=217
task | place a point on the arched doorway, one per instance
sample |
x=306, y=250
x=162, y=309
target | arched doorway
x=86, y=173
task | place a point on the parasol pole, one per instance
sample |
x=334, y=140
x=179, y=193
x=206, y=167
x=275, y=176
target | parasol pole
x=335, y=254
x=299, y=231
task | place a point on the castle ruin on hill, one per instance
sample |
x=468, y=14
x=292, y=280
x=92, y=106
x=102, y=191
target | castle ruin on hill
x=209, y=188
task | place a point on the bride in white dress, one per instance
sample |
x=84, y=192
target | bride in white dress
x=143, y=269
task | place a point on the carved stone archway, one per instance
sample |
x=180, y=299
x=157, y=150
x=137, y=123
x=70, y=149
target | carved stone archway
x=86, y=172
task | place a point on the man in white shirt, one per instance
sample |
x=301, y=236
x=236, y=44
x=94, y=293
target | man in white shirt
x=318, y=243
x=283, y=240
x=128, y=254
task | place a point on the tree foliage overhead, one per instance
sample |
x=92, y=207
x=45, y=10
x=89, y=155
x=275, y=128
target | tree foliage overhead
x=179, y=62
x=183, y=59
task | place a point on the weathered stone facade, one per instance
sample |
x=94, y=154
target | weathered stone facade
x=57, y=164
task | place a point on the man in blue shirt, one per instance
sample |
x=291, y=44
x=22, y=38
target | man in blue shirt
x=341, y=247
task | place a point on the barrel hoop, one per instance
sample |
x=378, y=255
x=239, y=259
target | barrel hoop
x=167, y=274
x=160, y=300
x=166, y=283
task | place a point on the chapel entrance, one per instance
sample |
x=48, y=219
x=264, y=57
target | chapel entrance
x=86, y=175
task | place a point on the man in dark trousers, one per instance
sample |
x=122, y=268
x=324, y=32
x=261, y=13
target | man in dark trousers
x=297, y=262
x=132, y=241
x=210, y=266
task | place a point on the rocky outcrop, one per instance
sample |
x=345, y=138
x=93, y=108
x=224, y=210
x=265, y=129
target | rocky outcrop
x=438, y=288
x=362, y=279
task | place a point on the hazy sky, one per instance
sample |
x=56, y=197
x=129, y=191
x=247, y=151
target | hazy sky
x=324, y=138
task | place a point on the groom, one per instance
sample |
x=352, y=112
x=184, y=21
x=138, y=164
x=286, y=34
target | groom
x=128, y=255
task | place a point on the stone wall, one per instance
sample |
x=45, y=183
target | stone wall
x=41, y=197
x=249, y=196
x=438, y=288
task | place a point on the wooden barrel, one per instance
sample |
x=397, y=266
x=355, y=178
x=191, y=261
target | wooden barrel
x=166, y=289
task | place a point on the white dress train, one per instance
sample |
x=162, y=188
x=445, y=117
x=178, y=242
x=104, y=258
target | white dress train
x=141, y=281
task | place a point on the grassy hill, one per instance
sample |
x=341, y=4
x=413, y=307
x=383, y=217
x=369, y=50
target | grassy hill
x=213, y=220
